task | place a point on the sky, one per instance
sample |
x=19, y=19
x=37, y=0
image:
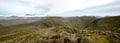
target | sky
x=59, y=7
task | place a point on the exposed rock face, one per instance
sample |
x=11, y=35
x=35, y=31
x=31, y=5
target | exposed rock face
x=66, y=40
x=86, y=40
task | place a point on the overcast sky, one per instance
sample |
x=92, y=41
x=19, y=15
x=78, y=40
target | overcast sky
x=60, y=7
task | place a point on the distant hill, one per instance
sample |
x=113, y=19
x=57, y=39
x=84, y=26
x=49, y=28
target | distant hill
x=0, y=25
x=12, y=22
x=6, y=21
x=79, y=22
x=47, y=22
x=110, y=23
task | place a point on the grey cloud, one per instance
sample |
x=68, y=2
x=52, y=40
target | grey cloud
x=44, y=9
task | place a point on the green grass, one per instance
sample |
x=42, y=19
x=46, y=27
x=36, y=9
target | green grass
x=100, y=38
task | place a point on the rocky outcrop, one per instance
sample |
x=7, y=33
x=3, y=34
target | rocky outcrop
x=61, y=35
x=52, y=35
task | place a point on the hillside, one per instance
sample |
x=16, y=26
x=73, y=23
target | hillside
x=7, y=21
x=107, y=23
x=43, y=23
x=12, y=22
x=63, y=30
x=0, y=25
x=79, y=22
x=47, y=22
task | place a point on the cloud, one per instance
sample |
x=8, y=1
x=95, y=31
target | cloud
x=61, y=6
x=69, y=5
x=13, y=5
x=110, y=9
x=20, y=7
x=50, y=7
x=106, y=8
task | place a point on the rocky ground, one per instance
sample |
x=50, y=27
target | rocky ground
x=59, y=35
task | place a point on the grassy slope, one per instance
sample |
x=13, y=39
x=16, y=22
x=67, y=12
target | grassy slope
x=111, y=24
x=17, y=28
x=27, y=26
x=107, y=23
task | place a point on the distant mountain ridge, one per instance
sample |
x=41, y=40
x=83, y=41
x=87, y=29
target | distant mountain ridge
x=13, y=20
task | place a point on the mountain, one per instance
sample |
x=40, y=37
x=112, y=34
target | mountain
x=79, y=22
x=13, y=20
x=54, y=30
x=11, y=17
x=107, y=23
x=43, y=23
